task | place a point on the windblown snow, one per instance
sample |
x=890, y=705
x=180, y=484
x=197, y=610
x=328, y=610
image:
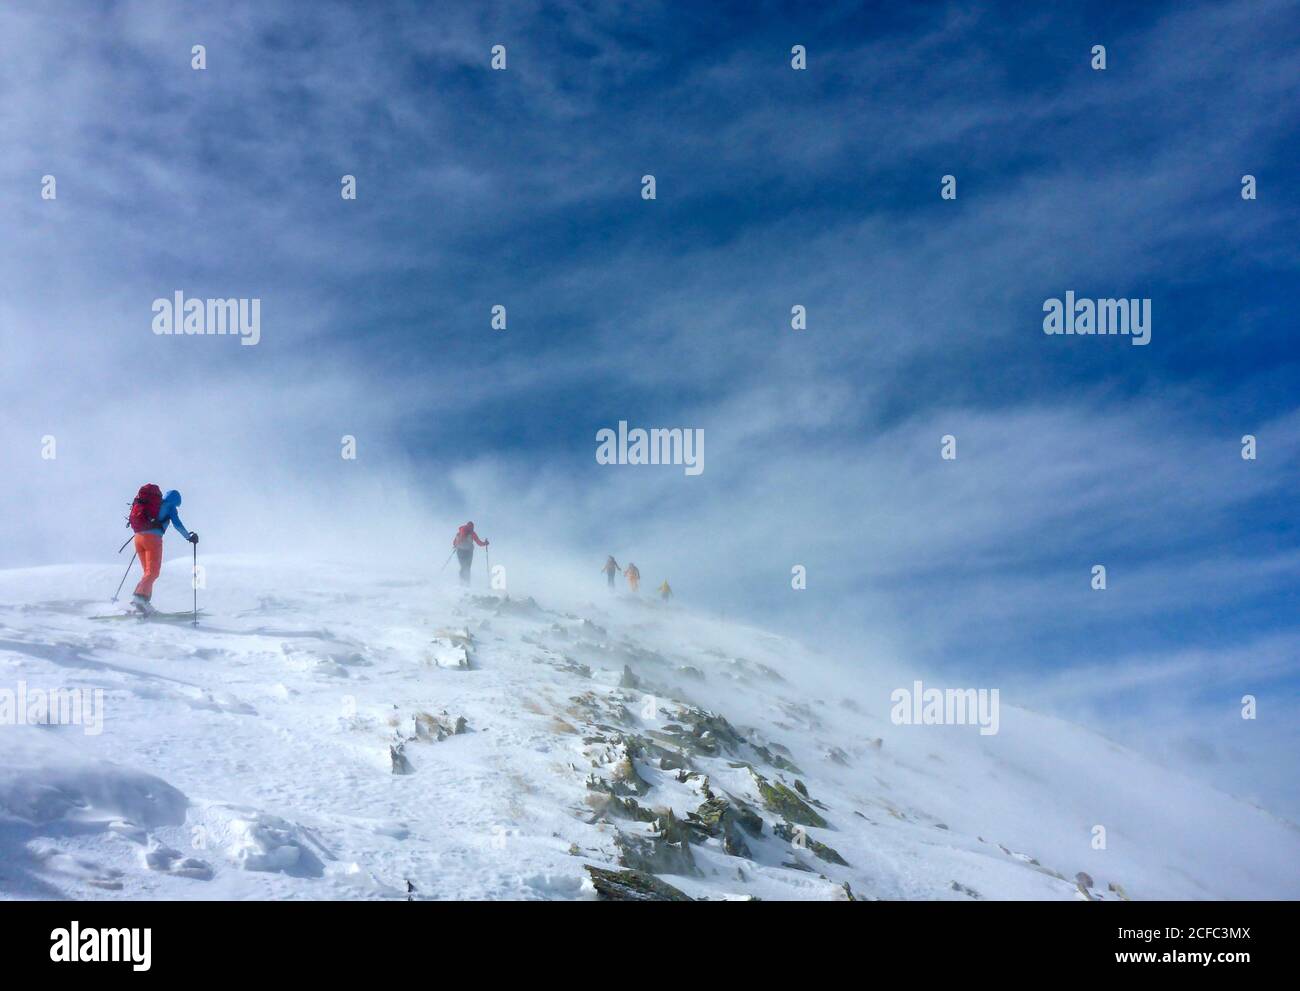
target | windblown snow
x=329, y=734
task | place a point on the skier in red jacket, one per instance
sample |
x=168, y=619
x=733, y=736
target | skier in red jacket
x=464, y=542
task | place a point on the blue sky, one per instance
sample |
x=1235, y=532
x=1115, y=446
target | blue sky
x=775, y=188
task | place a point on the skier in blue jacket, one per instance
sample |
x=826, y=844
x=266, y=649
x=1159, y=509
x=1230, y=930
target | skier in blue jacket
x=148, y=546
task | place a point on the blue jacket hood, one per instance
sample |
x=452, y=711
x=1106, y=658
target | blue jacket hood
x=173, y=497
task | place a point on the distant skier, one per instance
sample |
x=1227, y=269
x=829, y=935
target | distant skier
x=633, y=577
x=464, y=542
x=665, y=592
x=151, y=514
x=611, y=567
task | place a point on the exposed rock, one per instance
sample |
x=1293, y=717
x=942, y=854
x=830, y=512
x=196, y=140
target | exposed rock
x=749, y=820
x=801, y=712
x=431, y=727
x=705, y=732
x=803, y=841
x=400, y=764
x=633, y=886
x=968, y=892
x=564, y=663
x=1023, y=857
x=698, y=782
x=701, y=733
x=604, y=712
x=727, y=819
x=617, y=805
x=449, y=652
x=626, y=780
x=615, y=753
x=782, y=800
x=641, y=655
x=1084, y=879
x=460, y=636
x=709, y=816
x=776, y=760
x=503, y=605
x=667, y=850
x=669, y=760
x=740, y=669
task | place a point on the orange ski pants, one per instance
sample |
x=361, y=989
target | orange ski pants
x=148, y=547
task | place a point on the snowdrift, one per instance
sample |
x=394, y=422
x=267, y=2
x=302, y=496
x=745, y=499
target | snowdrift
x=330, y=734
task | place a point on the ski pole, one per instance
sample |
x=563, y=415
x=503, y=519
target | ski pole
x=128, y=540
x=123, y=581
x=487, y=551
x=194, y=581
x=448, y=561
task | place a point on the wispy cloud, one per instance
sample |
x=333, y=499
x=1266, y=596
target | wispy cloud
x=776, y=189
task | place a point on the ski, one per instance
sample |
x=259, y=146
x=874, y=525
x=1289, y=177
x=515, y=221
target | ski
x=170, y=617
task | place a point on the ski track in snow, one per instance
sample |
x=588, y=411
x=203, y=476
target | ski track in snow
x=257, y=756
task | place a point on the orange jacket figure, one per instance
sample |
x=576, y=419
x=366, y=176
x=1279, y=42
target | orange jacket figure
x=633, y=577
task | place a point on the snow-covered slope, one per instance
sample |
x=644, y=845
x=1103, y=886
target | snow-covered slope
x=329, y=734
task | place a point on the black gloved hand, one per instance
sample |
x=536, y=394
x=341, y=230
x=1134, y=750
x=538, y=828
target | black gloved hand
x=194, y=538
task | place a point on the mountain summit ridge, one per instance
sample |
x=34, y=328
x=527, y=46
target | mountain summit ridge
x=329, y=733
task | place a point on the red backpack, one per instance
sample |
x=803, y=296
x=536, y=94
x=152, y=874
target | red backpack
x=144, y=510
